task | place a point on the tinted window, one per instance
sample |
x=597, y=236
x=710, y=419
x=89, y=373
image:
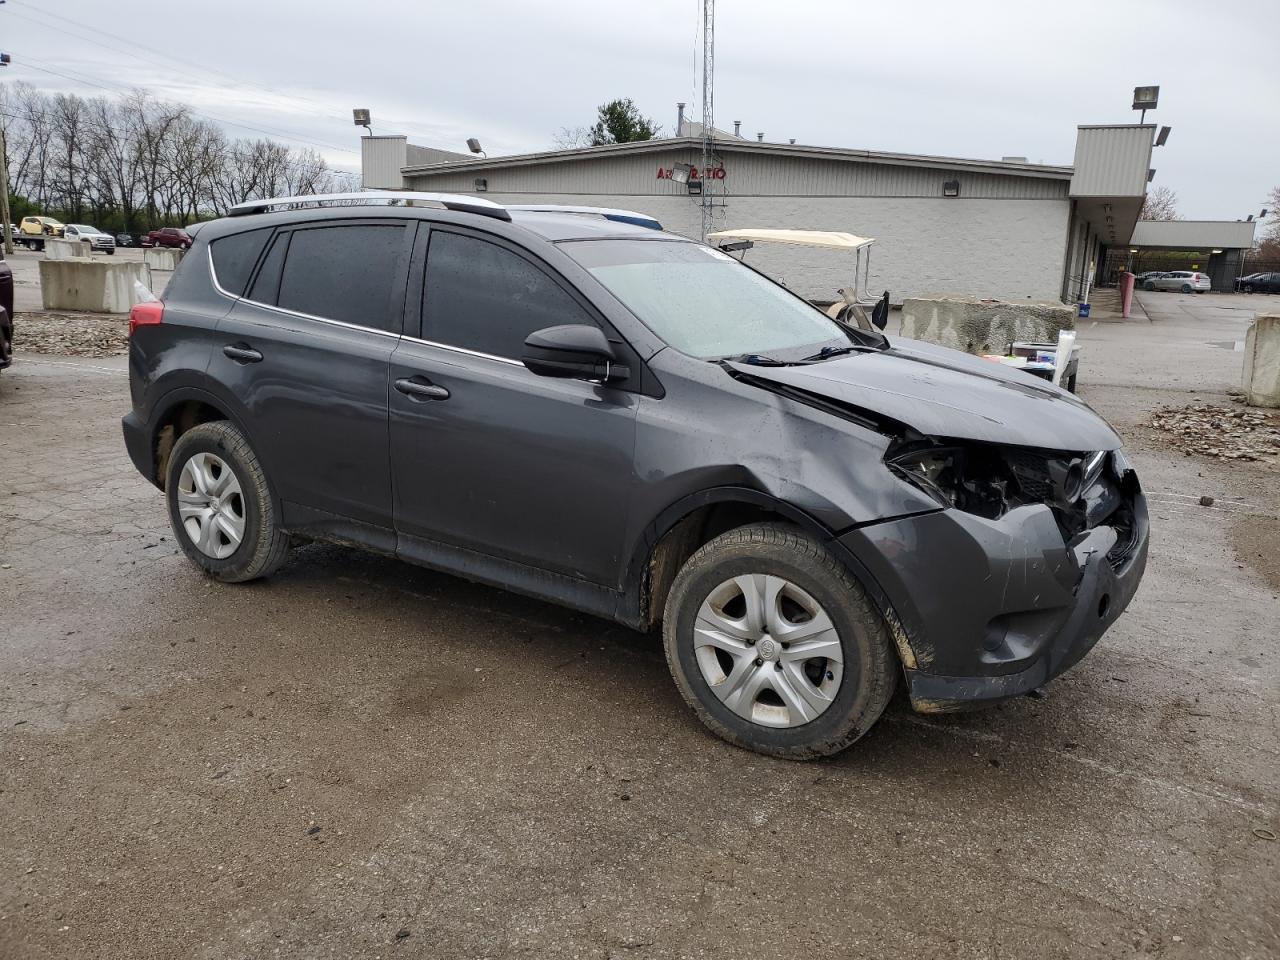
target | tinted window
x=344, y=273
x=483, y=297
x=267, y=284
x=234, y=257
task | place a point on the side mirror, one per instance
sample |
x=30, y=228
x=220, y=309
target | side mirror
x=574, y=352
x=880, y=314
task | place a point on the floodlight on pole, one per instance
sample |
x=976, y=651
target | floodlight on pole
x=362, y=119
x=1163, y=136
x=1144, y=99
x=680, y=172
x=474, y=146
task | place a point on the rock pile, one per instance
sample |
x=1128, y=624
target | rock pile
x=1222, y=432
x=70, y=334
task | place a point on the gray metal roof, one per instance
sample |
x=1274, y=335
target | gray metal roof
x=1194, y=234
x=1007, y=168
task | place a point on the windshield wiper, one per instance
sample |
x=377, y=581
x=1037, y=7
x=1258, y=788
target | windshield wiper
x=760, y=360
x=826, y=353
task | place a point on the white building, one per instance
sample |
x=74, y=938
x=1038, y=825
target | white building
x=1006, y=229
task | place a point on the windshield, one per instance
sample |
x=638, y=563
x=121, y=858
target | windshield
x=703, y=302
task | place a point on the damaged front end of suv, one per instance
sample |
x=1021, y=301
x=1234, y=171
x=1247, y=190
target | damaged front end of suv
x=1039, y=539
x=1034, y=555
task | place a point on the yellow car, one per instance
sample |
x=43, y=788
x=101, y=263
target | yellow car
x=33, y=230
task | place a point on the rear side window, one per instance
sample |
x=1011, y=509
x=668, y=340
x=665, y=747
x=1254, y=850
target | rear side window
x=234, y=257
x=266, y=285
x=482, y=297
x=344, y=273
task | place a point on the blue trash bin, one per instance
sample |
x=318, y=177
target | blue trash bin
x=1084, y=309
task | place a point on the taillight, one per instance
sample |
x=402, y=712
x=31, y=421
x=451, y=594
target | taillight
x=146, y=315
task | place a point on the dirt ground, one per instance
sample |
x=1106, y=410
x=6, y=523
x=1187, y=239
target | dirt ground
x=359, y=758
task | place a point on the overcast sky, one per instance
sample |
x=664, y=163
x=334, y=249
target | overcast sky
x=974, y=79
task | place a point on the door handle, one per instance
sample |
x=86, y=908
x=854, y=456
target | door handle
x=420, y=388
x=242, y=354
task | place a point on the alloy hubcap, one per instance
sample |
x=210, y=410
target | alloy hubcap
x=768, y=650
x=211, y=505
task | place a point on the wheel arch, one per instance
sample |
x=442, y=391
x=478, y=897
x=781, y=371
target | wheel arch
x=177, y=412
x=684, y=526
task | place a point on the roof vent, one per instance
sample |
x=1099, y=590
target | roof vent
x=760, y=137
x=1013, y=159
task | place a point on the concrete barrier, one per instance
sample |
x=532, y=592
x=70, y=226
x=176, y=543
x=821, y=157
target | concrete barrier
x=55, y=249
x=94, y=286
x=1262, y=361
x=162, y=258
x=969, y=324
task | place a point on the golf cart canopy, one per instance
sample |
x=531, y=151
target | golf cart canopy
x=800, y=238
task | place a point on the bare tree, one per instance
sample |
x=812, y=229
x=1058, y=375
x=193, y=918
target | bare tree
x=134, y=162
x=567, y=138
x=1160, y=204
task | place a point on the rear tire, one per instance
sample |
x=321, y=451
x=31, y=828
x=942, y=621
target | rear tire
x=1186, y=288
x=243, y=539
x=782, y=703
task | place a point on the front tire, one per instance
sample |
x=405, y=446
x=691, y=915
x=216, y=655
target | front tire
x=775, y=646
x=220, y=505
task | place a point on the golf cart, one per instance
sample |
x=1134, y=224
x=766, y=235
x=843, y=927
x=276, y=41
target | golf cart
x=855, y=301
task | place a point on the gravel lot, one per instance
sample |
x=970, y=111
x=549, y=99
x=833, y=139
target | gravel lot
x=359, y=758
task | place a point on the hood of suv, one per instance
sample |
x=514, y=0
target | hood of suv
x=947, y=394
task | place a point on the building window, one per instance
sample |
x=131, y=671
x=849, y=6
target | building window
x=951, y=188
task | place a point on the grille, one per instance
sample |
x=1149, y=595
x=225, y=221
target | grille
x=1032, y=473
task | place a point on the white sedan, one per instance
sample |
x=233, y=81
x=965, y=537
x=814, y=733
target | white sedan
x=1184, y=281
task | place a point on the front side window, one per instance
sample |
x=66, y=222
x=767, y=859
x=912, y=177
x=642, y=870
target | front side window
x=344, y=272
x=704, y=302
x=483, y=297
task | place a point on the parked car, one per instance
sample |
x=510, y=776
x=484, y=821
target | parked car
x=95, y=238
x=168, y=237
x=1184, y=281
x=125, y=240
x=34, y=231
x=638, y=426
x=1141, y=279
x=1259, y=283
x=6, y=312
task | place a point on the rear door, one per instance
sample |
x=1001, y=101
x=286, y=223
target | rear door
x=523, y=468
x=306, y=351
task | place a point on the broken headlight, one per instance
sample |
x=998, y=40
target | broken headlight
x=988, y=480
x=974, y=479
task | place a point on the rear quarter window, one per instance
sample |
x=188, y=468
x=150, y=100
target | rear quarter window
x=234, y=258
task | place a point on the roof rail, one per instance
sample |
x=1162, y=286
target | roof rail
x=609, y=213
x=447, y=201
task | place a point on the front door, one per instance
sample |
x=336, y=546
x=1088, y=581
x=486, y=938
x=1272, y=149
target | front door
x=488, y=456
x=306, y=353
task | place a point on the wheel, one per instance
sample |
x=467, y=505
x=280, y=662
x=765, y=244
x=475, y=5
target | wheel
x=1186, y=288
x=1248, y=288
x=220, y=505
x=111, y=252
x=1148, y=285
x=775, y=645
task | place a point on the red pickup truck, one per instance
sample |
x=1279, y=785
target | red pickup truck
x=167, y=237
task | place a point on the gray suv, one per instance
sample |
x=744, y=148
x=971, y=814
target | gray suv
x=575, y=405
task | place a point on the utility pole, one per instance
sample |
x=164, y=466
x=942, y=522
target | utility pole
x=4, y=195
x=4, y=179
